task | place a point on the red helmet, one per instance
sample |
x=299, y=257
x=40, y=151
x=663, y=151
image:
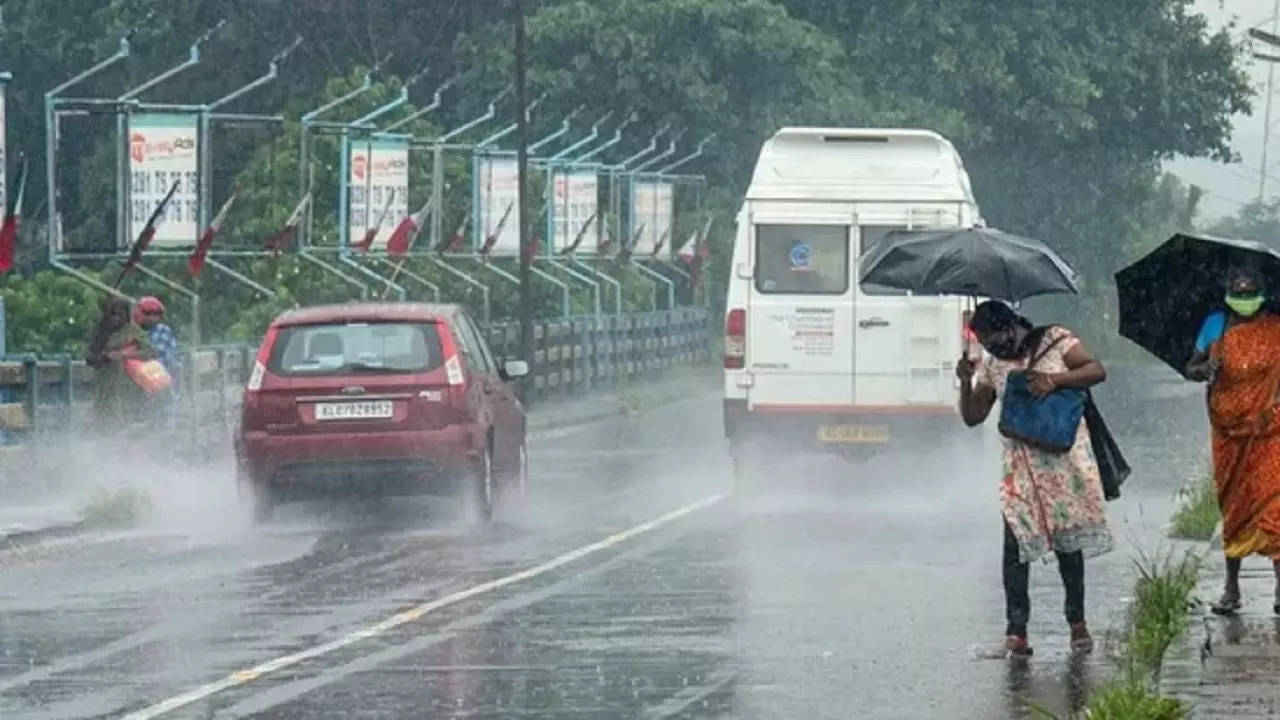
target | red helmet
x=149, y=305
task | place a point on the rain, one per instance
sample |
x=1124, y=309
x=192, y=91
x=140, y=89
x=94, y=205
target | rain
x=681, y=359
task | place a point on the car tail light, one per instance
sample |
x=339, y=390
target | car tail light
x=251, y=407
x=453, y=369
x=735, y=339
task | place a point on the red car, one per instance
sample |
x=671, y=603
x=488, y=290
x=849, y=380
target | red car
x=373, y=395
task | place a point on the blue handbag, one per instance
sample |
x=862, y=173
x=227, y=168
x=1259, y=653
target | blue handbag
x=1049, y=423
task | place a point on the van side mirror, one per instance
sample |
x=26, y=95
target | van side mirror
x=513, y=369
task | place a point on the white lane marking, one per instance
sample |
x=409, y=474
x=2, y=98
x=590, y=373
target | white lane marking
x=241, y=677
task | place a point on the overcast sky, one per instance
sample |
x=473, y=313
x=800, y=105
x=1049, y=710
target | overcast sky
x=1227, y=187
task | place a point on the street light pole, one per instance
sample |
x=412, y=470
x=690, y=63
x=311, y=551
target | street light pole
x=522, y=162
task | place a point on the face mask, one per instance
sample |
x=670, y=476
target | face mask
x=1244, y=306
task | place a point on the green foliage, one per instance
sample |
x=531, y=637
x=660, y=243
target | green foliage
x=48, y=313
x=1197, y=514
x=1062, y=112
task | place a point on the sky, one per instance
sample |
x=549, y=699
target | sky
x=1229, y=187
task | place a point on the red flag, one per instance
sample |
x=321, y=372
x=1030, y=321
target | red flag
x=371, y=232
x=624, y=252
x=657, y=248
x=492, y=238
x=12, y=219
x=686, y=251
x=196, y=262
x=582, y=234
x=144, y=237
x=283, y=240
x=407, y=231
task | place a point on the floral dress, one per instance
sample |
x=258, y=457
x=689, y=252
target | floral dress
x=1051, y=501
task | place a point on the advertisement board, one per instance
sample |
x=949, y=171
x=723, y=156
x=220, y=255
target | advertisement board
x=664, y=216
x=162, y=151
x=644, y=206
x=497, y=207
x=377, y=181
x=576, y=197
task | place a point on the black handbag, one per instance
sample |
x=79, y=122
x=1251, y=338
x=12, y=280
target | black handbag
x=1112, y=467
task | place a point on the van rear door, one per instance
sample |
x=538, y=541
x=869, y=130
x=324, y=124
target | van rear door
x=906, y=346
x=800, y=305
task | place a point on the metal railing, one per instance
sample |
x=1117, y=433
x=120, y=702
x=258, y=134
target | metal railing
x=51, y=396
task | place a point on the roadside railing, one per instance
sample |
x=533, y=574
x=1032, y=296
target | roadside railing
x=50, y=395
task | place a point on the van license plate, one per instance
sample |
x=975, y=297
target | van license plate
x=856, y=434
x=369, y=410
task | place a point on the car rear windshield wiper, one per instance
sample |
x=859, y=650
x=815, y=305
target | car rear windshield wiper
x=366, y=367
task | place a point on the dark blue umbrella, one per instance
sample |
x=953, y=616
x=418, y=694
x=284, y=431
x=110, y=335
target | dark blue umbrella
x=978, y=262
x=1165, y=296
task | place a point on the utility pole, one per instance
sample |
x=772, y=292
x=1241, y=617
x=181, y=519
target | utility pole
x=522, y=163
x=1266, y=122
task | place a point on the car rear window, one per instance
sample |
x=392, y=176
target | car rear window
x=356, y=348
x=802, y=259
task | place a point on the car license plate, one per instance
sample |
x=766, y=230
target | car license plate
x=853, y=434
x=368, y=410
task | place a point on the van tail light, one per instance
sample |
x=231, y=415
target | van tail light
x=968, y=338
x=735, y=339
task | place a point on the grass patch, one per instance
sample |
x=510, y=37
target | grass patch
x=121, y=507
x=1132, y=698
x=1162, y=601
x=1197, y=515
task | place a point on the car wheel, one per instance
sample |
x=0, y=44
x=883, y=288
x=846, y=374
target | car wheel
x=482, y=484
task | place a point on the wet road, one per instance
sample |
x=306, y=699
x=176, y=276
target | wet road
x=632, y=585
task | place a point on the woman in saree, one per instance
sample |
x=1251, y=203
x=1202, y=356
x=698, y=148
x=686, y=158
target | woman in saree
x=1238, y=354
x=118, y=401
x=1051, y=503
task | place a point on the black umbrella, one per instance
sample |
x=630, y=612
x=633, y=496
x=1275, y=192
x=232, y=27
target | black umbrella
x=1165, y=296
x=981, y=262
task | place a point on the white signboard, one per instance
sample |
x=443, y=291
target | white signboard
x=664, y=216
x=498, y=211
x=162, y=151
x=378, y=173
x=576, y=196
x=644, y=216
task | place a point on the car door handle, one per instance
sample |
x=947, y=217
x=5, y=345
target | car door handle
x=873, y=322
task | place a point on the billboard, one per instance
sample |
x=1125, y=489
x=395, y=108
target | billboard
x=652, y=214
x=162, y=151
x=576, y=197
x=664, y=216
x=377, y=174
x=497, y=206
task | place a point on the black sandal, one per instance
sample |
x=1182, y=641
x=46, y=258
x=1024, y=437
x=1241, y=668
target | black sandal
x=1228, y=605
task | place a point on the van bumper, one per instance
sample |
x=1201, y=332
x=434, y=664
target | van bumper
x=831, y=428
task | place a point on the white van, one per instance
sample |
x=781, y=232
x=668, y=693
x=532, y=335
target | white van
x=810, y=356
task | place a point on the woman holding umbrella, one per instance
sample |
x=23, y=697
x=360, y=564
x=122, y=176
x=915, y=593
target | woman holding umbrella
x=1238, y=353
x=1050, y=502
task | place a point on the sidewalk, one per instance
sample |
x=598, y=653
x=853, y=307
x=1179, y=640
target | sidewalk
x=31, y=505
x=1229, y=667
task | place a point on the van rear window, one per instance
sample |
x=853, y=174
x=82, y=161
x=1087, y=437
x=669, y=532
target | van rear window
x=802, y=259
x=356, y=349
